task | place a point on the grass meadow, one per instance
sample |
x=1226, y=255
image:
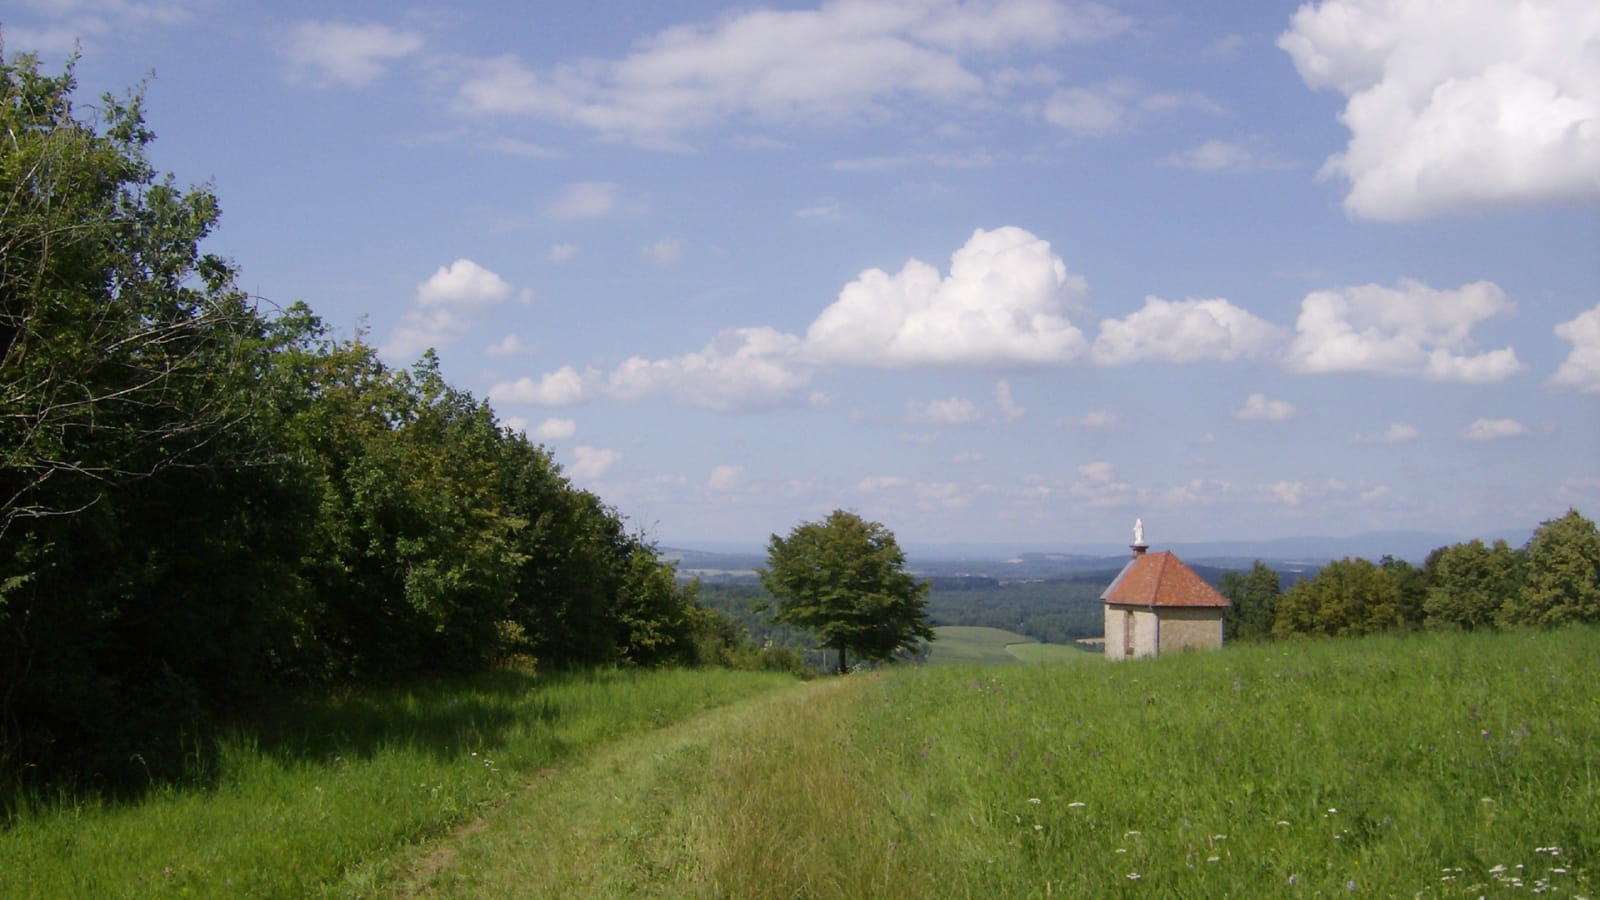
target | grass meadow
x=1432, y=765
x=1428, y=765
x=329, y=797
x=1402, y=766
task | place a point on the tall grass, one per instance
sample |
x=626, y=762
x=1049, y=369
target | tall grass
x=334, y=793
x=1426, y=765
x=1436, y=764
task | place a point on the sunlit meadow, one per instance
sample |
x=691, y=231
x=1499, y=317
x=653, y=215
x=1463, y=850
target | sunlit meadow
x=1426, y=765
x=1440, y=765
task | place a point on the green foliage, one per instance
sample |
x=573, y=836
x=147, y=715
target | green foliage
x=132, y=461
x=1468, y=583
x=1053, y=610
x=844, y=578
x=202, y=507
x=1348, y=597
x=1255, y=597
x=1563, y=575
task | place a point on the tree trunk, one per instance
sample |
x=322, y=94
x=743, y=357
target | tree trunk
x=842, y=667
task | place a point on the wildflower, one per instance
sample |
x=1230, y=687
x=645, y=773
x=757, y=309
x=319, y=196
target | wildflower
x=1132, y=834
x=1035, y=801
x=1038, y=828
x=1294, y=880
x=1332, y=811
x=1133, y=876
x=1283, y=823
x=1076, y=804
x=1219, y=837
x=1213, y=859
x=1350, y=885
x=1497, y=869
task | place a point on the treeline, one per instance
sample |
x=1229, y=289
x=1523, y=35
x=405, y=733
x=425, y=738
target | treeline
x=1055, y=610
x=1553, y=580
x=203, y=506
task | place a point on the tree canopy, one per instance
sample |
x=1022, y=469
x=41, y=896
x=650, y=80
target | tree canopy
x=204, y=503
x=1255, y=599
x=844, y=578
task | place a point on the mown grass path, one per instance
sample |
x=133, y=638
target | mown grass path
x=333, y=799
x=672, y=813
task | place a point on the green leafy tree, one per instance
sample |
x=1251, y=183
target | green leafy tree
x=124, y=351
x=1563, y=575
x=1348, y=597
x=844, y=578
x=1470, y=582
x=1255, y=597
x=1412, y=584
x=138, y=566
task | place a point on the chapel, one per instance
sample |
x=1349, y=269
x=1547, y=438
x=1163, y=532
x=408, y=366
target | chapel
x=1156, y=605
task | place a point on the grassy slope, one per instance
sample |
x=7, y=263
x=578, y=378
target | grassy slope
x=1433, y=765
x=958, y=644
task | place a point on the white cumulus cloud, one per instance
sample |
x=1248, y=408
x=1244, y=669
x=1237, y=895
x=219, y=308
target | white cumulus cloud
x=510, y=345
x=1581, y=368
x=1004, y=304
x=464, y=283
x=553, y=429
x=1008, y=405
x=1477, y=104
x=445, y=307
x=562, y=387
x=741, y=368
x=344, y=53
x=1094, y=420
x=1183, y=332
x=1411, y=330
x=1105, y=109
x=841, y=61
x=592, y=462
x=874, y=483
x=420, y=329
x=665, y=252
x=581, y=200
x=1396, y=433
x=726, y=478
x=952, y=411
x=1493, y=429
x=1099, y=472
x=1257, y=408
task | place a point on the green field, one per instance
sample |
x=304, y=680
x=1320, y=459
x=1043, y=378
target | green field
x=1424, y=765
x=971, y=644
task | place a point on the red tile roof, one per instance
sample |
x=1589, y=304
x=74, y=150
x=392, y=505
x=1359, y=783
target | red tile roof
x=1161, y=579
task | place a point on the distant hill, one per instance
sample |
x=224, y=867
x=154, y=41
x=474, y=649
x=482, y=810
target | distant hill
x=1025, y=561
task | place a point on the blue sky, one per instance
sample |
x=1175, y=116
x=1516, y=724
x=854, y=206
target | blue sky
x=1009, y=271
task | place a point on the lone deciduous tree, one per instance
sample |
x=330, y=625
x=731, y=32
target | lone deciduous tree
x=845, y=579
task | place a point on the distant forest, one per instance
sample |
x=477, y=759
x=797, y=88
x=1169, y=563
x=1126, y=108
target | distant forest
x=1056, y=610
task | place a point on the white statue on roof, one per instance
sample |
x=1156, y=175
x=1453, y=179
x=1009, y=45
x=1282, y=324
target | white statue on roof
x=1138, y=532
